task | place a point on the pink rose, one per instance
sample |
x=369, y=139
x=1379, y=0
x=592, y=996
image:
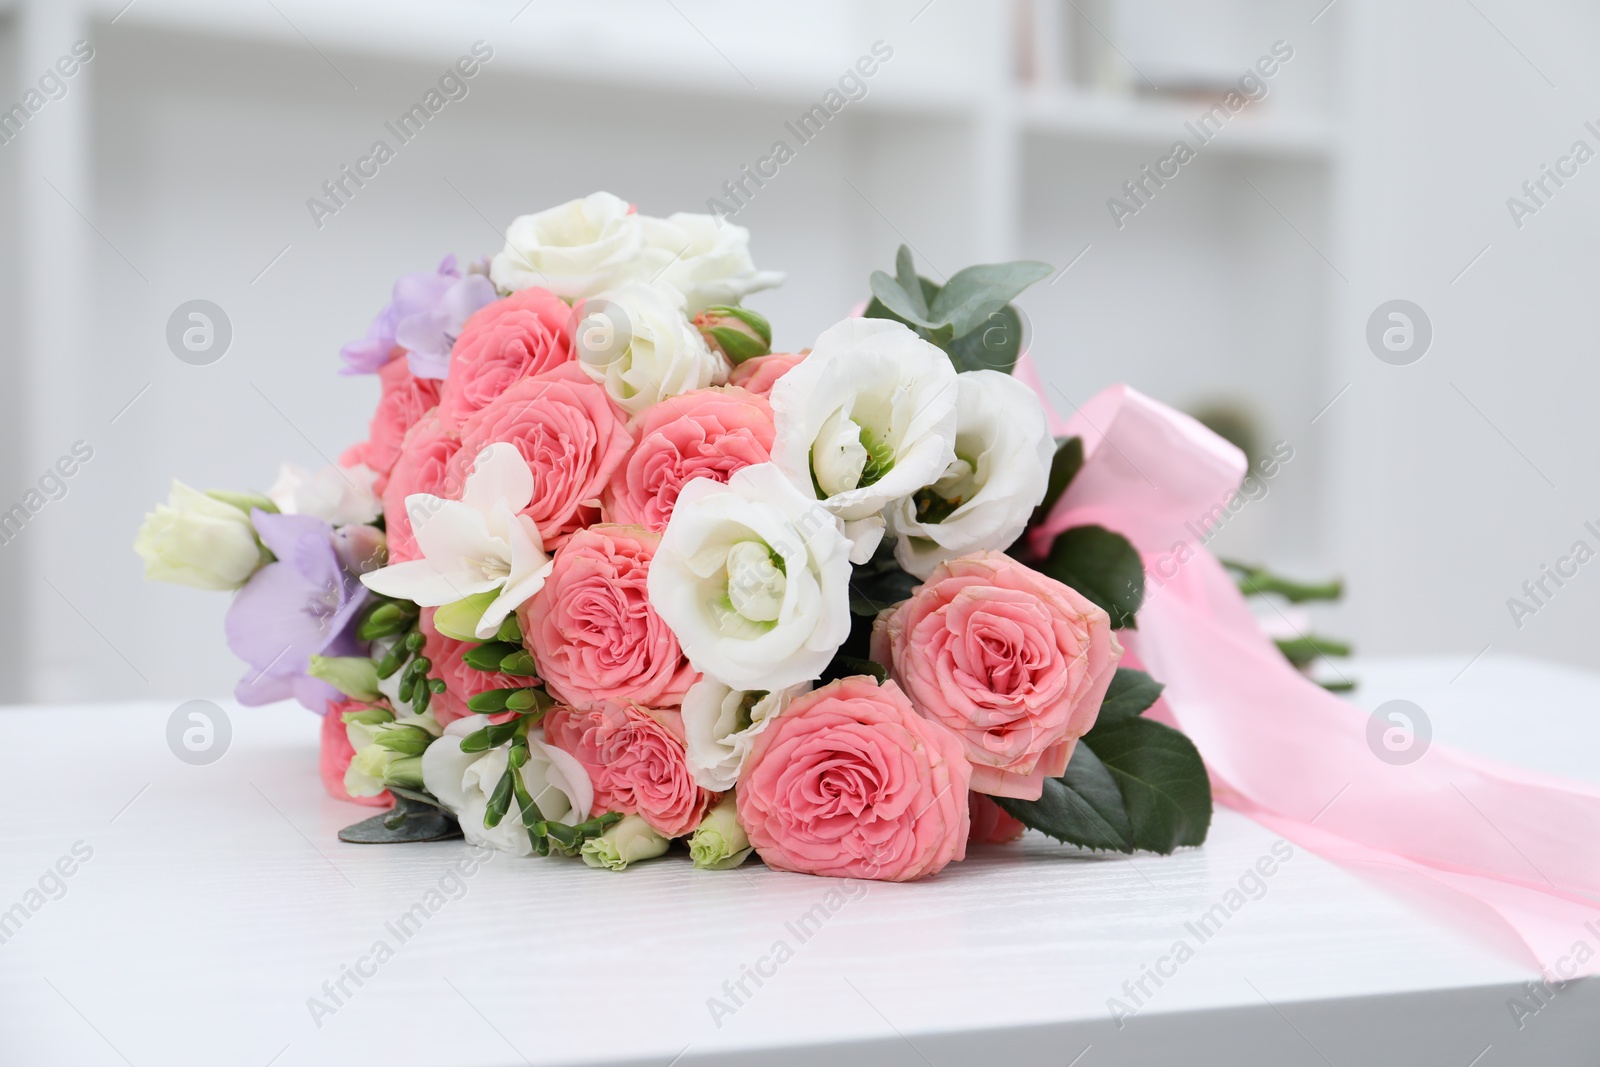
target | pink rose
x=990, y=823
x=461, y=680
x=1014, y=662
x=429, y=463
x=524, y=335
x=337, y=754
x=571, y=436
x=636, y=762
x=851, y=782
x=760, y=374
x=707, y=433
x=592, y=630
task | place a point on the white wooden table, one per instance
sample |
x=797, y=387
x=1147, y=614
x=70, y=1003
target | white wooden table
x=217, y=901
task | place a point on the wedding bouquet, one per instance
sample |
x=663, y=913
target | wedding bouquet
x=608, y=573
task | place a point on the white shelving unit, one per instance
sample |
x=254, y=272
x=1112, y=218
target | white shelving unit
x=179, y=163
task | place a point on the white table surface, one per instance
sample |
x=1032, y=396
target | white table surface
x=218, y=900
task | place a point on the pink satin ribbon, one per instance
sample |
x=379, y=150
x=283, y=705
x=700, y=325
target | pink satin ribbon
x=1507, y=844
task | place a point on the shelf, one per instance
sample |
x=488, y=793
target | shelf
x=1157, y=124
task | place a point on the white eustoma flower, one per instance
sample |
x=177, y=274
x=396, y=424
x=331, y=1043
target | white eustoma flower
x=867, y=418
x=753, y=577
x=708, y=261
x=720, y=727
x=339, y=496
x=984, y=498
x=574, y=250
x=196, y=540
x=638, y=342
x=374, y=766
x=477, y=544
x=629, y=841
x=463, y=782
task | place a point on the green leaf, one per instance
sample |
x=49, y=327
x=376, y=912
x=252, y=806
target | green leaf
x=1162, y=779
x=1102, y=566
x=850, y=666
x=973, y=294
x=905, y=273
x=1131, y=693
x=489, y=737
x=994, y=344
x=410, y=820
x=1083, y=807
x=897, y=300
x=487, y=656
x=872, y=592
x=1065, y=465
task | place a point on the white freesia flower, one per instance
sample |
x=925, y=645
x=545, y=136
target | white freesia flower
x=984, y=498
x=708, y=261
x=574, y=250
x=478, y=544
x=339, y=496
x=463, y=782
x=638, y=342
x=196, y=540
x=867, y=418
x=720, y=727
x=753, y=577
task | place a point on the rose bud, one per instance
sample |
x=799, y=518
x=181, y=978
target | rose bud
x=738, y=333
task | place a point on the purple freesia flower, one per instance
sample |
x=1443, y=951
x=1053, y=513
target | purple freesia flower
x=424, y=316
x=303, y=604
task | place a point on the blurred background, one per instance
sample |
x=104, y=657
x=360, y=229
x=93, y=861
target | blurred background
x=1377, y=153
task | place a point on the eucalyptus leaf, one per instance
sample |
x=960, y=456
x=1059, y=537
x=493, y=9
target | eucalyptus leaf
x=1101, y=565
x=973, y=294
x=409, y=821
x=897, y=300
x=994, y=344
x=905, y=273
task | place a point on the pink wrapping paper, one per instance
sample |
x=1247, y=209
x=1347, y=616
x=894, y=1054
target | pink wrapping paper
x=1512, y=846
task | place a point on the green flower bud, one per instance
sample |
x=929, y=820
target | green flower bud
x=738, y=333
x=720, y=843
x=354, y=676
x=460, y=620
x=629, y=841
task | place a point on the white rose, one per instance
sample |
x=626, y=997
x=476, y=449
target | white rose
x=984, y=498
x=753, y=577
x=463, y=782
x=339, y=496
x=721, y=725
x=196, y=540
x=638, y=343
x=868, y=417
x=707, y=260
x=575, y=250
